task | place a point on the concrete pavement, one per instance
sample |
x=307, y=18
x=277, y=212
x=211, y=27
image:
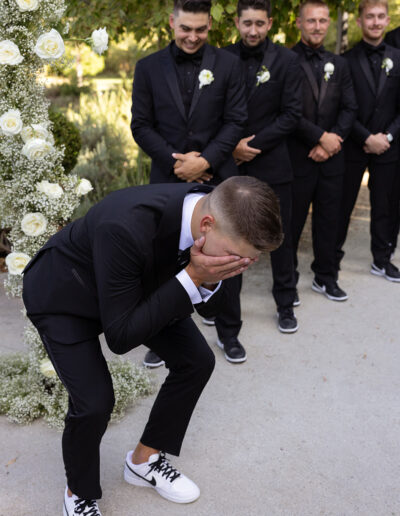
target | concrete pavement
x=308, y=426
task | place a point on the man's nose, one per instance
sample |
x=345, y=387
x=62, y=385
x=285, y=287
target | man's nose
x=253, y=31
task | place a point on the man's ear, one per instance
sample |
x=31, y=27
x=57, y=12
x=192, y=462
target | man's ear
x=172, y=21
x=237, y=22
x=206, y=224
x=298, y=23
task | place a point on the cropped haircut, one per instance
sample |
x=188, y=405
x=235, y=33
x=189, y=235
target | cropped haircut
x=372, y=3
x=258, y=5
x=192, y=6
x=315, y=3
x=247, y=208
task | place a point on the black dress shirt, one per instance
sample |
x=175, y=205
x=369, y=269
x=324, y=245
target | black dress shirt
x=251, y=58
x=375, y=57
x=188, y=69
x=315, y=57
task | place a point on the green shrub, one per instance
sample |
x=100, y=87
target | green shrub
x=66, y=134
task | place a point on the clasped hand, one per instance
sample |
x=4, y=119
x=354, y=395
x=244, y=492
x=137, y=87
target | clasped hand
x=191, y=167
x=376, y=144
x=329, y=144
x=243, y=152
x=205, y=269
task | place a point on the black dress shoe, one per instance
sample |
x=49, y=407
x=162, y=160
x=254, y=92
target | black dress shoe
x=151, y=359
x=234, y=351
x=331, y=291
x=296, y=301
x=287, y=322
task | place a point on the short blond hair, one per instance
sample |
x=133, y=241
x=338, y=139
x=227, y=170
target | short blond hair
x=367, y=3
x=315, y=3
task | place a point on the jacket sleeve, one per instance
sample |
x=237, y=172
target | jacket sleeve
x=234, y=117
x=290, y=111
x=143, y=120
x=348, y=104
x=130, y=318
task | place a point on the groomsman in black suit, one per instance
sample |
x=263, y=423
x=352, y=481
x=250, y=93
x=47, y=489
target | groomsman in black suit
x=329, y=109
x=273, y=91
x=392, y=38
x=374, y=140
x=189, y=108
x=135, y=267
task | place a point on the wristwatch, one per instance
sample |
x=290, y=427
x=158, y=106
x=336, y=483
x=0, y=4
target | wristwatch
x=389, y=137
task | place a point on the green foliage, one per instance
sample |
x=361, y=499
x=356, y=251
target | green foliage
x=109, y=157
x=92, y=64
x=66, y=135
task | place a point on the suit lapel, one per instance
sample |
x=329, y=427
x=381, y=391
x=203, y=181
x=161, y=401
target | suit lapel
x=169, y=69
x=207, y=63
x=268, y=59
x=383, y=76
x=311, y=79
x=364, y=63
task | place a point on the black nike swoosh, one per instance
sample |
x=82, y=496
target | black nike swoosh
x=153, y=481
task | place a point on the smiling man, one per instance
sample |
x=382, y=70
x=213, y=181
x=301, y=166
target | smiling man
x=375, y=138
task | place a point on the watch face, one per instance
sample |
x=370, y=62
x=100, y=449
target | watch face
x=389, y=137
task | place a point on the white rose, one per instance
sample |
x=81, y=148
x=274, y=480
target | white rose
x=9, y=53
x=99, y=40
x=36, y=148
x=16, y=262
x=84, y=187
x=264, y=77
x=10, y=122
x=34, y=131
x=27, y=5
x=34, y=224
x=52, y=190
x=47, y=368
x=50, y=45
x=206, y=77
x=329, y=68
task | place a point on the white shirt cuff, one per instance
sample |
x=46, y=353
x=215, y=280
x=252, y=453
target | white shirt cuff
x=197, y=295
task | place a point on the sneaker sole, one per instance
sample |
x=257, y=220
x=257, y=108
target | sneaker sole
x=383, y=275
x=142, y=483
x=233, y=360
x=285, y=330
x=332, y=298
x=208, y=322
x=153, y=366
x=297, y=303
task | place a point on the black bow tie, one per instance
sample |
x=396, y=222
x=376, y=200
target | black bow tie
x=183, y=57
x=248, y=53
x=314, y=52
x=183, y=259
x=371, y=50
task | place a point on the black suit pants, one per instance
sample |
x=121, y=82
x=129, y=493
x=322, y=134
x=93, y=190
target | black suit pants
x=84, y=372
x=324, y=193
x=228, y=322
x=384, y=194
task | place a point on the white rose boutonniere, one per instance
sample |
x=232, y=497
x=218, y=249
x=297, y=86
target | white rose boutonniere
x=329, y=68
x=27, y=5
x=50, y=45
x=9, y=53
x=34, y=224
x=36, y=148
x=47, y=368
x=206, y=77
x=84, y=187
x=99, y=40
x=16, y=262
x=10, y=122
x=263, y=75
x=387, y=64
x=52, y=190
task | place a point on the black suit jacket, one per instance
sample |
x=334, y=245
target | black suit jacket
x=331, y=107
x=392, y=38
x=378, y=110
x=215, y=121
x=274, y=109
x=114, y=271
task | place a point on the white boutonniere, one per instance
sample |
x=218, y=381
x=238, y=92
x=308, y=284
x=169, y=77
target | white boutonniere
x=206, y=77
x=263, y=75
x=387, y=64
x=329, y=68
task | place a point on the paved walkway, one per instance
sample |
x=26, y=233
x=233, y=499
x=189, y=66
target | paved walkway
x=308, y=426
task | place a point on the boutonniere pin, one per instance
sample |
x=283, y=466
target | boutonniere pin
x=387, y=64
x=206, y=77
x=263, y=75
x=329, y=68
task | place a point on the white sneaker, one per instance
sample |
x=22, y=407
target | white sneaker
x=160, y=475
x=74, y=506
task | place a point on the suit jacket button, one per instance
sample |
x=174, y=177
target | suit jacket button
x=190, y=133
